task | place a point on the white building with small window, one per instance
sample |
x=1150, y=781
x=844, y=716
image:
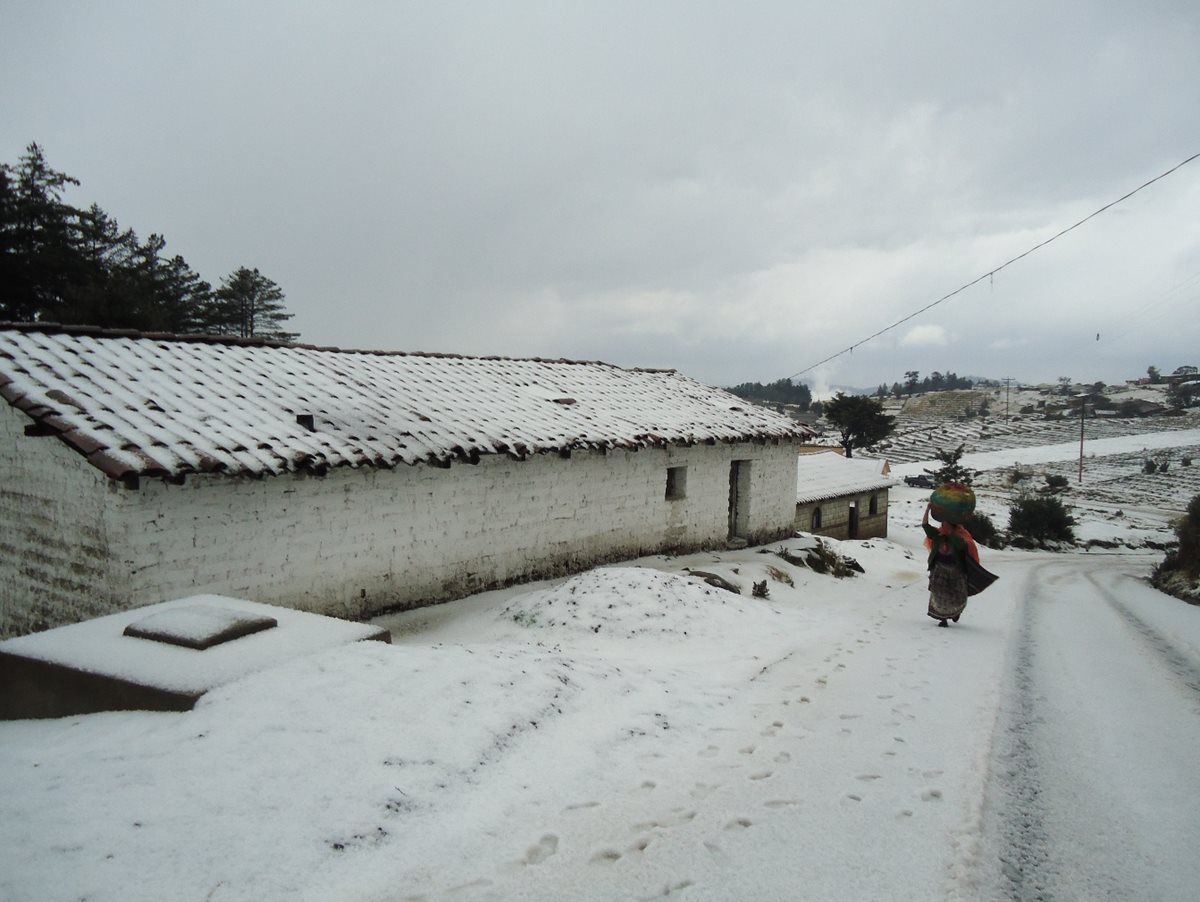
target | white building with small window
x=840, y=498
x=138, y=468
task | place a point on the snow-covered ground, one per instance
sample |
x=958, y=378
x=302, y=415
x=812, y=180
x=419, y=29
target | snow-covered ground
x=633, y=733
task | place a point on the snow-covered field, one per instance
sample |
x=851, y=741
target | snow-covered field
x=634, y=733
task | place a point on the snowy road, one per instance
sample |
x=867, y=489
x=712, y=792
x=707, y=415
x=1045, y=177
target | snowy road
x=1094, y=792
x=629, y=735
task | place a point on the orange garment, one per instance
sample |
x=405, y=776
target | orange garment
x=959, y=531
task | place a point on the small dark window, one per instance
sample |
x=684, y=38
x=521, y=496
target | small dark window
x=676, y=483
x=816, y=518
x=873, y=509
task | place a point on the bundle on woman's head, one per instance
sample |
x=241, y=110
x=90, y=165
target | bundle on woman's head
x=953, y=502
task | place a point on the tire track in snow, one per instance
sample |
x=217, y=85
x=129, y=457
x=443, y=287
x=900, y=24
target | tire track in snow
x=1071, y=777
x=1181, y=665
x=1017, y=811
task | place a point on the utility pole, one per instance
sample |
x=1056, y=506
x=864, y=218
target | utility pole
x=1082, y=409
x=1007, y=382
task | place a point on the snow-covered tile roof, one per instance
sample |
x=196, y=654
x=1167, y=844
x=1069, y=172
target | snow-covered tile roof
x=827, y=474
x=158, y=405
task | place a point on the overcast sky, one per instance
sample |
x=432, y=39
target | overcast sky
x=735, y=190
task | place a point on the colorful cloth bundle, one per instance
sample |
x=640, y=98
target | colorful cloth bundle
x=953, y=502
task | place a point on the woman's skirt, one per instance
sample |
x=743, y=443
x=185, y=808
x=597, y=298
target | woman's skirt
x=947, y=591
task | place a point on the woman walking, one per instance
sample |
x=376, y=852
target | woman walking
x=949, y=547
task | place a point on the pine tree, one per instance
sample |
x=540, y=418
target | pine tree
x=37, y=259
x=62, y=264
x=248, y=304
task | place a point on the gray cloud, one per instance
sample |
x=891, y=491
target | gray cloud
x=733, y=191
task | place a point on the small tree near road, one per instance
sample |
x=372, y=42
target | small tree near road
x=860, y=420
x=951, y=469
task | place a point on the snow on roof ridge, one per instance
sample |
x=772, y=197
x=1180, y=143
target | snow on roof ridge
x=145, y=404
x=48, y=328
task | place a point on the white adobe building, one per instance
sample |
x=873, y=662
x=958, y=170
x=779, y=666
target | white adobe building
x=840, y=498
x=138, y=468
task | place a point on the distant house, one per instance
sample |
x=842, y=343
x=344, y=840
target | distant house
x=840, y=498
x=1182, y=374
x=137, y=468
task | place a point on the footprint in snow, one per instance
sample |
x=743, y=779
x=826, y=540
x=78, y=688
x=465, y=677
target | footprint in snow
x=716, y=852
x=931, y=795
x=738, y=823
x=546, y=846
x=709, y=752
x=781, y=803
x=677, y=817
x=581, y=805
x=468, y=887
x=669, y=890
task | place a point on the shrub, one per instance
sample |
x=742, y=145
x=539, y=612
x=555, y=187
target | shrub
x=1149, y=466
x=1177, y=573
x=1040, y=520
x=1188, y=532
x=981, y=527
x=1056, y=481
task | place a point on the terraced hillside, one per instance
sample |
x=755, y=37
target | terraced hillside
x=918, y=438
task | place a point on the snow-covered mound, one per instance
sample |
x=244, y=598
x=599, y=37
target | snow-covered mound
x=627, y=602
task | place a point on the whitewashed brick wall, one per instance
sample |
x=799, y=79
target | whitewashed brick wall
x=54, y=544
x=355, y=541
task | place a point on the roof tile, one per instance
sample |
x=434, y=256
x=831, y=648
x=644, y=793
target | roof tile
x=175, y=405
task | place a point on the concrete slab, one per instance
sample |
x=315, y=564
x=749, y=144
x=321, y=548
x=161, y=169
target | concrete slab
x=162, y=657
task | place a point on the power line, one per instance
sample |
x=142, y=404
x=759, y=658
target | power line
x=991, y=273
